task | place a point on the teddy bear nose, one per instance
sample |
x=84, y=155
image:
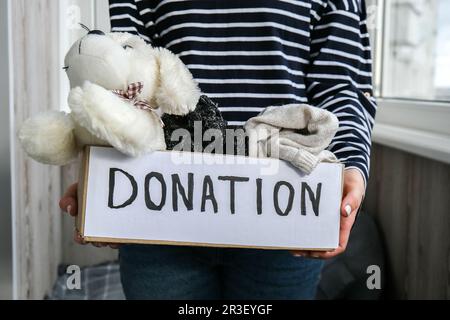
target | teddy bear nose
x=97, y=32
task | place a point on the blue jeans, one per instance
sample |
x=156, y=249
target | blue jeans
x=171, y=272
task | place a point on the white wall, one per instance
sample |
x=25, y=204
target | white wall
x=409, y=64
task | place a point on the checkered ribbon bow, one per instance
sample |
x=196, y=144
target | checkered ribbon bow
x=131, y=94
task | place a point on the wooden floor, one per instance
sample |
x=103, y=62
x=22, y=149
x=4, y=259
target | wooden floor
x=410, y=198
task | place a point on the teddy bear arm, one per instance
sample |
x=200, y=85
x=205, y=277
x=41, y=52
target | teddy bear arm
x=112, y=119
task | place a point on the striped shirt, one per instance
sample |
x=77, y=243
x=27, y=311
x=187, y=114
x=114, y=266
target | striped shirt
x=247, y=55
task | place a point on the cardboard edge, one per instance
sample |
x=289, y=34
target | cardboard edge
x=82, y=191
x=194, y=244
x=341, y=197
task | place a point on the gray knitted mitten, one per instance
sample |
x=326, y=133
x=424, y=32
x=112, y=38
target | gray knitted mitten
x=297, y=133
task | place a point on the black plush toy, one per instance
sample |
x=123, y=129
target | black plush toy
x=206, y=112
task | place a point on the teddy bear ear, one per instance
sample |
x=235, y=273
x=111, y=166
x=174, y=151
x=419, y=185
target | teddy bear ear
x=178, y=93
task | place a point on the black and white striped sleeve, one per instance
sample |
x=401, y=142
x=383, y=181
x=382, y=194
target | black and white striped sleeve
x=131, y=16
x=339, y=77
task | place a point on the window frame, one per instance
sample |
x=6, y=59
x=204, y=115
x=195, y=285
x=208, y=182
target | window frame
x=421, y=127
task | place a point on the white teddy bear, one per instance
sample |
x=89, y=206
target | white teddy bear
x=117, y=81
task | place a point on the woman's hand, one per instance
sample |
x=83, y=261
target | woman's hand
x=354, y=190
x=69, y=204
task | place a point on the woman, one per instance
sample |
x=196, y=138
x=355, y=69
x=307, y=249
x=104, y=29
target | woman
x=247, y=55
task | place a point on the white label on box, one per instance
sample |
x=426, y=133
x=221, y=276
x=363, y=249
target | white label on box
x=222, y=200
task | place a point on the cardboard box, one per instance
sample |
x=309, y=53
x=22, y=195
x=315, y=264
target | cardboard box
x=199, y=199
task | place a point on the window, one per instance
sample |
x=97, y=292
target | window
x=411, y=43
x=417, y=52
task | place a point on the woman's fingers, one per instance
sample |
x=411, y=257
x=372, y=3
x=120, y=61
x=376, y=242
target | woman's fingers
x=314, y=254
x=299, y=254
x=77, y=238
x=69, y=205
x=353, y=192
x=344, y=235
x=68, y=202
x=351, y=203
x=346, y=223
x=104, y=244
x=311, y=254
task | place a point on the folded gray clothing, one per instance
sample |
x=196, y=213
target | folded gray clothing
x=297, y=133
